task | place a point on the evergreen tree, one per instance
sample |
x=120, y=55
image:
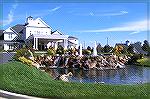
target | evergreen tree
x=107, y=48
x=145, y=46
x=99, y=48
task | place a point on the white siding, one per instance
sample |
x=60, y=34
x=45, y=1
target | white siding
x=6, y=47
x=37, y=27
x=9, y=36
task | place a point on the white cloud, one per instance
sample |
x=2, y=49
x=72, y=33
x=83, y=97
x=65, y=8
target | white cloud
x=101, y=13
x=113, y=14
x=10, y=16
x=134, y=27
x=45, y=12
x=54, y=9
x=135, y=32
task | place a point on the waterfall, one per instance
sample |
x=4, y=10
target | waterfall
x=95, y=50
x=80, y=49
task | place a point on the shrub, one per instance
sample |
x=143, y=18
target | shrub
x=51, y=51
x=86, y=52
x=134, y=58
x=22, y=52
x=60, y=50
x=25, y=60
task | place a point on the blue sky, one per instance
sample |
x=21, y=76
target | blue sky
x=87, y=21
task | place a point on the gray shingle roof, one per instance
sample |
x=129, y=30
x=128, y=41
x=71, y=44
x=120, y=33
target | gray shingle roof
x=18, y=28
x=1, y=32
x=138, y=49
x=72, y=37
x=1, y=35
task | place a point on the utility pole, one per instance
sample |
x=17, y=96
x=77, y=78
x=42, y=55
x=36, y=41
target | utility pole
x=107, y=40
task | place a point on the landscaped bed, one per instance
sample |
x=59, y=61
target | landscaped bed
x=20, y=78
x=144, y=62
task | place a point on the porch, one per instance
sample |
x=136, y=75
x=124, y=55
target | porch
x=42, y=42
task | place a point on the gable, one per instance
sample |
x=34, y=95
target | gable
x=39, y=23
x=8, y=30
x=56, y=33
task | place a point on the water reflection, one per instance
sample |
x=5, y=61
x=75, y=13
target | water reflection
x=129, y=75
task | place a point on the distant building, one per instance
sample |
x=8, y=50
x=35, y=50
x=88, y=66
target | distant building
x=36, y=34
x=124, y=45
x=137, y=48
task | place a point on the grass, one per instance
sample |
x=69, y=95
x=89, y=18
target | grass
x=144, y=62
x=20, y=78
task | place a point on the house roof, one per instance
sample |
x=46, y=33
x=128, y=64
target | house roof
x=1, y=32
x=120, y=44
x=56, y=32
x=138, y=48
x=72, y=37
x=30, y=17
x=18, y=28
x=1, y=35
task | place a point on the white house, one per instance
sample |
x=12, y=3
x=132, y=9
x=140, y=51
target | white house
x=36, y=34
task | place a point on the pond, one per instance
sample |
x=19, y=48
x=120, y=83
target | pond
x=128, y=75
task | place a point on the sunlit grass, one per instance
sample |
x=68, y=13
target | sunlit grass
x=20, y=78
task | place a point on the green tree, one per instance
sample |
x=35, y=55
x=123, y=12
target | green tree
x=51, y=51
x=89, y=48
x=107, y=48
x=130, y=49
x=145, y=46
x=99, y=48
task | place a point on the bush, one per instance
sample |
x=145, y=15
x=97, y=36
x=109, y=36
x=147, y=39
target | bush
x=86, y=52
x=134, y=58
x=51, y=51
x=25, y=60
x=22, y=52
x=60, y=50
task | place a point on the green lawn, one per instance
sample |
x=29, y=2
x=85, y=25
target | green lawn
x=20, y=78
x=144, y=62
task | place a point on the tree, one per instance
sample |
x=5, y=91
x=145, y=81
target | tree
x=118, y=49
x=89, y=48
x=145, y=46
x=99, y=48
x=107, y=48
x=130, y=49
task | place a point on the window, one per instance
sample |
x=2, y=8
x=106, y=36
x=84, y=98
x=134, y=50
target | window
x=10, y=36
x=38, y=32
x=30, y=33
x=10, y=46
